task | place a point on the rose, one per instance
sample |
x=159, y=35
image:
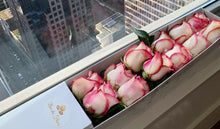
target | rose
x=212, y=31
x=181, y=32
x=81, y=86
x=157, y=67
x=196, y=44
x=132, y=90
x=163, y=43
x=118, y=75
x=136, y=55
x=108, y=89
x=179, y=55
x=198, y=21
x=94, y=76
x=98, y=102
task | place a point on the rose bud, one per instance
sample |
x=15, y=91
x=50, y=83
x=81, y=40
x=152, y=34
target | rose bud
x=81, y=86
x=198, y=21
x=179, y=55
x=96, y=102
x=196, y=44
x=94, y=76
x=108, y=89
x=119, y=75
x=163, y=43
x=212, y=31
x=132, y=90
x=157, y=67
x=135, y=57
x=110, y=68
x=181, y=32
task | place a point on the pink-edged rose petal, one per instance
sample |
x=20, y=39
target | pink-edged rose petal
x=181, y=32
x=153, y=65
x=95, y=76
x=198, y=21
x=81, y=86
x=108, y=89
x=131, y=91
x=96, y=102
x=196, y=44
x=212, y=31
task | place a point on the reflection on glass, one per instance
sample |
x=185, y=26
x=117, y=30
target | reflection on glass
x=40, y=37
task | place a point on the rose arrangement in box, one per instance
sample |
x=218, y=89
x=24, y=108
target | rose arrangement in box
x=143, y=67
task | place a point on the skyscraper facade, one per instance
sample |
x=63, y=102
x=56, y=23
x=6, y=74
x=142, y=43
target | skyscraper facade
x=139, y=13
x=53, y=30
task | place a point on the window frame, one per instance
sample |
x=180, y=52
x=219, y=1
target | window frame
x=71, y=70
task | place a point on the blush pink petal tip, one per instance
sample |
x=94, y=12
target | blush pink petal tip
x=196, y=44
x=95, y=76
x=212, y=31
x=81, y=86
x=107, y=88
x=198, y=21
x=110, y=68
x=135, y=58
x=131, y=91
x=181, y=32
x=96, y=102
x=179, y=55
x=119, y=75
x=163, y=45
x=153, y=65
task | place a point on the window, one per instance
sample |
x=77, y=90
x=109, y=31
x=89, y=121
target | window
x=70, y=15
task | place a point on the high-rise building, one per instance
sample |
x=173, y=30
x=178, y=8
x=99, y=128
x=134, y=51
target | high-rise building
x=52, y=29
x=139, y=13
x=3, y=4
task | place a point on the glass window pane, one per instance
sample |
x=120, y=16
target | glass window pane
x=41, y=37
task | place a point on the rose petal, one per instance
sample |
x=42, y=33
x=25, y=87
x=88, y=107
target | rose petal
x=163, y=71
x=96, y=102
x=81, y=86
x=135, y=58
x=164, y=45
x=131, y=91
x=153, y=65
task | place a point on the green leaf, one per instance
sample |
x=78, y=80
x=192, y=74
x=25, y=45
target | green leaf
x=144, y=36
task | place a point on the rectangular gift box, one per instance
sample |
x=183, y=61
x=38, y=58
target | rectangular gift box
x=173, y=101
x=148, y=108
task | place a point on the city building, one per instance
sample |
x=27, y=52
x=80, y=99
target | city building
x=3, y=5
x=53, y=29
x=139, y=13
x=111, y=29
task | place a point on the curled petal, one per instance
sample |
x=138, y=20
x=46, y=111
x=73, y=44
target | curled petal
x=196, y=44
x=163, y=71
x=167, y=61
x=212, y=31
x=153, y=65
x=131, y=91
x=181, y=32
x=198, y=22
x=135, y=58
x=96, y=102
x=119, y=76
x=81, y=86
x=112, y=100
x=213, y=35
x=110, y=68
x=164, y=45
x=178, y=60
x=108, y=89
x=95, y=76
